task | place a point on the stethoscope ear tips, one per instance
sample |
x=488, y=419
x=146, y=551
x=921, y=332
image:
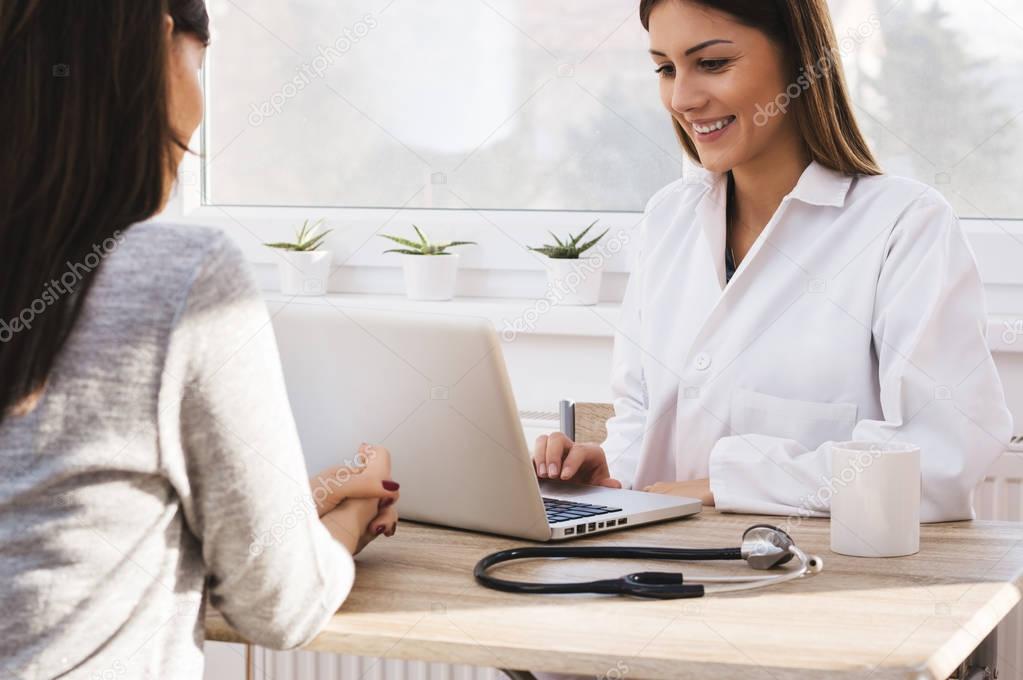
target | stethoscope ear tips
x=765, y=546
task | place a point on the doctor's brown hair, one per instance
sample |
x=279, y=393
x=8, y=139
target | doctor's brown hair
x=87, y=154
x=822, y=107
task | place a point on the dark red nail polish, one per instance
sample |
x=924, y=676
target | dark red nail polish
x=380, y=530
x=391, y=486
x=384, y=503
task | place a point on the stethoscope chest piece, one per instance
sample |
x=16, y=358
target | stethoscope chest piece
x=765, y=546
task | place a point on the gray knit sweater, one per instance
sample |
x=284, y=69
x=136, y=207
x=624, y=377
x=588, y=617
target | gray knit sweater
x=162, y=456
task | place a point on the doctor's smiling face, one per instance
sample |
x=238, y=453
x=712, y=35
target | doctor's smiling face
x=716, y=74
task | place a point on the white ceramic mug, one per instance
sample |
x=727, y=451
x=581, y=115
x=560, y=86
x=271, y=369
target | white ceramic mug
x=875, y=504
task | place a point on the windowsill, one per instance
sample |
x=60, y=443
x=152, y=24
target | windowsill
x=537, y=317
x=510, y=316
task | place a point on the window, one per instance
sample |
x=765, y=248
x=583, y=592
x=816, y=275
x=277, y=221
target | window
x=523, y=105
x=937, y=91
x=488, y=104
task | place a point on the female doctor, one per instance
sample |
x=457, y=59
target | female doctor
x=855, y=310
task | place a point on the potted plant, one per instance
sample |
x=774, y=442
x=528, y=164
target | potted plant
x=304, y=268
x=430, y=270
x=573, y=280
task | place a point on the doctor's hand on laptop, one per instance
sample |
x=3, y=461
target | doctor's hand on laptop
x=555, y=456
x=358, y=502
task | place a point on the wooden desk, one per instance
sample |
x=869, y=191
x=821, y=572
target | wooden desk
x=909, y=617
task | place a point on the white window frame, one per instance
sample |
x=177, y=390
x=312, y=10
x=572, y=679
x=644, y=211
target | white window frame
x=510, y=269
x=506, y=268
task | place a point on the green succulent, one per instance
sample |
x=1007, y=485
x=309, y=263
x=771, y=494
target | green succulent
x=424, y=247
x=306, y=238
x=570, y=249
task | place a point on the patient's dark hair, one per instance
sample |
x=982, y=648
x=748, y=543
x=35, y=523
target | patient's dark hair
x=823, y=110
x=87, y=154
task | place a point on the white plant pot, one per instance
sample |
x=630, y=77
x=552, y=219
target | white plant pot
x=430, y=277
x=574, y=282
x=305, y=273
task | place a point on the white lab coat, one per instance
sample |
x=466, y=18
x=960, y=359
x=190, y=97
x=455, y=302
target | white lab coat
x=857, y=314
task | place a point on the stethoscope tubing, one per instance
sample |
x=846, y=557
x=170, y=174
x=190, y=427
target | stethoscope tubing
x=662, y=585
x=652, y=553
x=807, y=564
x=649, y=585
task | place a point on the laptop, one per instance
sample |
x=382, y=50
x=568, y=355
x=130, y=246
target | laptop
x=433, y=389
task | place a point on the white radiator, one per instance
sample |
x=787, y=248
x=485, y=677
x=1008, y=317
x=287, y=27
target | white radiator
x=999, y=496
x=312, y=666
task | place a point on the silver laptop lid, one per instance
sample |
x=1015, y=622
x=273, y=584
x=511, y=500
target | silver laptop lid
x=431, y=388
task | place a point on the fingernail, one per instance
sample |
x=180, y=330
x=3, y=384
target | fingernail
x=380, y=529
x=552, y=469
x=391, y=486
x=541, y=470
x=566, y=473
x=384, y=503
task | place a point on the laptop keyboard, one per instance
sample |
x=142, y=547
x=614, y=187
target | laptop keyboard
x=560, y=510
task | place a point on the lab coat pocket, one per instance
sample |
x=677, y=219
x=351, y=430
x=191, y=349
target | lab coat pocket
x=810, y=423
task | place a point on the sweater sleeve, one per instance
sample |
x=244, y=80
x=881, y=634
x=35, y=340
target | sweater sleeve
x=273, y=570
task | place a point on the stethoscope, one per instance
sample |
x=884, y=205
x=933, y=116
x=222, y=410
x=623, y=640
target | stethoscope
x=763, y=547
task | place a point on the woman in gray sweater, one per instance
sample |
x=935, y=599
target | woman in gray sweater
x=147, y=451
